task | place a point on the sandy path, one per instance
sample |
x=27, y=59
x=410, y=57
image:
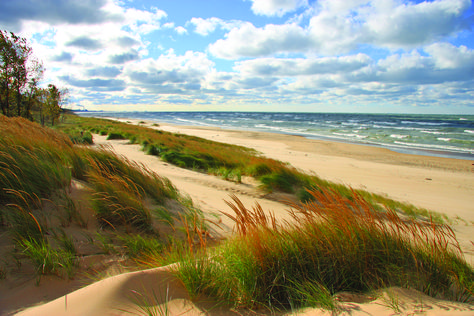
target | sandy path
x=438, y=184
x=207, y=192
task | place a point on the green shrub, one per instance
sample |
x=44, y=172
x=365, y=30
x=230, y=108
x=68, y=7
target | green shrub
x=259, y=170
x=116, y=135
x=138, y=246
x=282, y=180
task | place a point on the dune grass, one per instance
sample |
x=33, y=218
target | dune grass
x=339, y=239
x=334, y=244
x=37, y=167
x=231, y=162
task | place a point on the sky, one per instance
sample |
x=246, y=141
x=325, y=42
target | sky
x=379, y=56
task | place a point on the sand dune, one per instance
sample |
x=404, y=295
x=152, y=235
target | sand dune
x=443, y=185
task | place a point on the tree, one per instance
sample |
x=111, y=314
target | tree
x=50, y=102
x=18, y=72
x=7, y=56
x=35, y=75
x=20, y=69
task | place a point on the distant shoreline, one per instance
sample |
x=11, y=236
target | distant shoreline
x=405, y=148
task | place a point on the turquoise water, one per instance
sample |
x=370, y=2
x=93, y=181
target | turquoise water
x=435, y=135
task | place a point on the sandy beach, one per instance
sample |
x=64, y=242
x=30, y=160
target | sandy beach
x=439, y=184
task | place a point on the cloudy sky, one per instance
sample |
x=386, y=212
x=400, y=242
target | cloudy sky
x=254, y=55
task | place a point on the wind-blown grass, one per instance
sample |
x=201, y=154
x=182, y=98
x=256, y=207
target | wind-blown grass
x=231, y=162
x=334, y=244
x=37, y=167
x=33, y=159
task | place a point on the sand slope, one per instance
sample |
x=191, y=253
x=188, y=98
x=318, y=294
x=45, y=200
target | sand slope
x=158, y=292
x=444, y=185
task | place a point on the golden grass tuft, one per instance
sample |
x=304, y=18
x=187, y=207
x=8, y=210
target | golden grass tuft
x=333, y=244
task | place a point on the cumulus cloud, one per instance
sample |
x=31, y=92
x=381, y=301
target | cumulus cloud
x=206, y=26
x=110, y=52
x=96, y=84
x=62, y=57
x=303, y=66
x=12, y=13
x=126, y=41
x=446, y=63
x=85, y=42
x=181, y=30
x=448, y=56
x=338, y=27
x=142, y=21
x=414, y=24
x=104, y=71
x=276, y=7
x=124, y=57
x=170, y=72
x=250, y=41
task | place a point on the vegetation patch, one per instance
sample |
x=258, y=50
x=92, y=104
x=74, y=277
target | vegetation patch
x=38, y=215
x=231, y=162
x=334, y=244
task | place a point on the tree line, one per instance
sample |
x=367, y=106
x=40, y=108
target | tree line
x=20, y=75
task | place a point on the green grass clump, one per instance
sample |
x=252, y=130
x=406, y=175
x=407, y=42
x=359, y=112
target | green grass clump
x=334, y=244
x=82, y=138
x=48, y=260
x=122, y=188
x=138, y=246
x=116, y=135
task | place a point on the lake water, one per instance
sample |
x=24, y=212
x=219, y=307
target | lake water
x=435, y=135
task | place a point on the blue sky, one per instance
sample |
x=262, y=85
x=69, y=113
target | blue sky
x=393, y=56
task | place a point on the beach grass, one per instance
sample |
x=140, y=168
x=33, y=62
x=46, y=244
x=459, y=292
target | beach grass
x=338, y=239
x=38, y=214
x=231, y=162
x=334, y=244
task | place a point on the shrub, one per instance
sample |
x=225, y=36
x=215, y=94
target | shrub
x=116, y=135
x=282, y=180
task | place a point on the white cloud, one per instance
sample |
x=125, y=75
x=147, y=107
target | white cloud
x=206, y=26
x=447, y=56
x=445, y=64
x=144, y=22
x=338, y=27
x=303, y=66
x=170, y=73
x=100, y=55
x=276, y=7
x=181, y=30
x=14, y=13
x=414, y=24
x=248, y=40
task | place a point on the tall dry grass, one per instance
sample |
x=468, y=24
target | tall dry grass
x=33, y=159
x=333, y=244
x=37, y=166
